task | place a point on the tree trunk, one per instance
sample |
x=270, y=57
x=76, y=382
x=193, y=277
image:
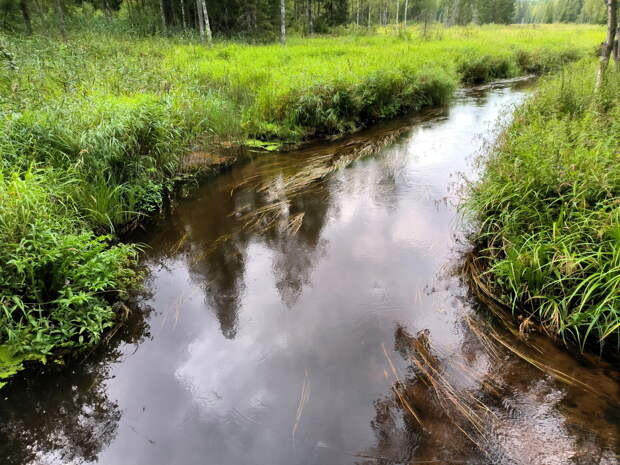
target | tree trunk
x=357, y=21
x=368, y=14
x=617, y=44
x=207, y=24
x=183, y=15
x=406, y=10
x=23, y=5
x=201, y=21
x=61, y=20
x=163, y=16
x=309, y=17
x=397, y=11
x=607, y=47
x=283, y=22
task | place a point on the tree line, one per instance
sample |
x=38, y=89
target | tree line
x=270, y=19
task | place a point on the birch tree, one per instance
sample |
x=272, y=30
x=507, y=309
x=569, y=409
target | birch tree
x=207, y=26
x=309, y=17
x=397, y=11
x=616, y=51
x=183, y=15
x=201, y=22
x=283, y=22
x=608, y=45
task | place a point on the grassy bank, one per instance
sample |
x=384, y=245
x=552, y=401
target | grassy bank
x=92, y=132
x=548, y=210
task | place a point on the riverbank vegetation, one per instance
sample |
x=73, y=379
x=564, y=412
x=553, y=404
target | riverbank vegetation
x=94, y=127
x=548, y=212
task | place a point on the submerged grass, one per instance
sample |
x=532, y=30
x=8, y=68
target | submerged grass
x=548, y=210
x=93, y=131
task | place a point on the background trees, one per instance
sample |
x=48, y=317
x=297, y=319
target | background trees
x=260, y=20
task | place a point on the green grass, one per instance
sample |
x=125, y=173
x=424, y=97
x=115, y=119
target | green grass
x=549, y=212
x=92, y=133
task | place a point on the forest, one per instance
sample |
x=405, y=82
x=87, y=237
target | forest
x=260, y=20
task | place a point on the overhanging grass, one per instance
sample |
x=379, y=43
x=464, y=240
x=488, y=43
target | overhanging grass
x=548, y=209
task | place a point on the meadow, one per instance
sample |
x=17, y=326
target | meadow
x=93, y=132
x=548, y=241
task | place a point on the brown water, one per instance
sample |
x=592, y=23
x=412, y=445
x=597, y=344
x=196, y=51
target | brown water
x=294, y=324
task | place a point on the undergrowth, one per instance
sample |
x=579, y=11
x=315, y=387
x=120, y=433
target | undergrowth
x=548, y=209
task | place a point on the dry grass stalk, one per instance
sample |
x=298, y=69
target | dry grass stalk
x=303, y=399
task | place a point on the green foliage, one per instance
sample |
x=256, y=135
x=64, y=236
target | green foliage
x=561, y=11
x=57, y=278
x=496, y=11
x=548, y=211
x=11, y=363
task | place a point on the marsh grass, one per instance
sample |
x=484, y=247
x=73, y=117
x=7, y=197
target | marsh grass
x=547, y=209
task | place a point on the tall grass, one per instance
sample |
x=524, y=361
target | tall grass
x=549, y=213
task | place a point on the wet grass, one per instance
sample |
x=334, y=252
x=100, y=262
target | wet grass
x=548, y=243
x=93, y=132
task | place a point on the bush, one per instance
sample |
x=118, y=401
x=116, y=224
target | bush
x=57, y=278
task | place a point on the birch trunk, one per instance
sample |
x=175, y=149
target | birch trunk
x=201, y=21
x=608, y=46
x=183, y=15
x=616, y=51
x=309, y=16
x=397, y=11
x=406, y=10
x=205, y=13
x=283, y=22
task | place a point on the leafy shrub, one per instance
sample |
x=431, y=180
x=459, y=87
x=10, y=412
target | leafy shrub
x=57, y=278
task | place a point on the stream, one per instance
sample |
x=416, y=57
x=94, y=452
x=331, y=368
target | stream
x=306, y=308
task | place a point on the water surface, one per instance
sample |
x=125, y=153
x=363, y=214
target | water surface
x=293, y=324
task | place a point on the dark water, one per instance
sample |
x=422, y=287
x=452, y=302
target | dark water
x=293, y=324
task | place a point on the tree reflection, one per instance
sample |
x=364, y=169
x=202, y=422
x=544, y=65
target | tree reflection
x=212, y=232
x=295, y=254
x=62, y=414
